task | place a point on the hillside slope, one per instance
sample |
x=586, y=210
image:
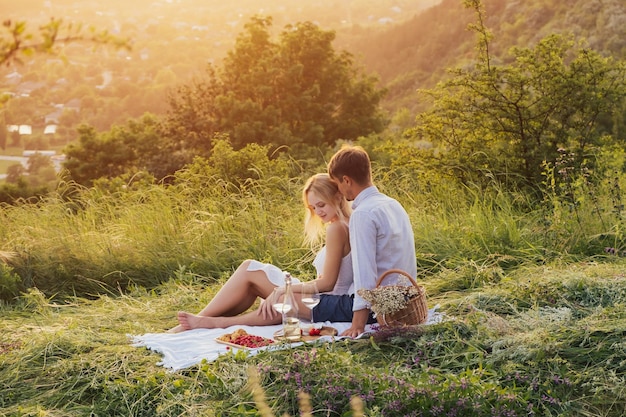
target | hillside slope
x=416, y=53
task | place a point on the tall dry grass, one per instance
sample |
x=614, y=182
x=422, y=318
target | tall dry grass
x=107, y=238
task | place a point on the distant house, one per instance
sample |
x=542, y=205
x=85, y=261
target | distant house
x=50, y=130
x=107, y=77
x=57, y=161
x=21, y=129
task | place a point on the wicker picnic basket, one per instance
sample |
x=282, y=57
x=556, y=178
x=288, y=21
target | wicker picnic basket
x=416, y=311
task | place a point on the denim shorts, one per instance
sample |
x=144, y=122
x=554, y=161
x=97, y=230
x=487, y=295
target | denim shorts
x=336, y=308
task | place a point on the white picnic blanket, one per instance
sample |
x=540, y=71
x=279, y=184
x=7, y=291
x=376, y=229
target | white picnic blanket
x=191, y=347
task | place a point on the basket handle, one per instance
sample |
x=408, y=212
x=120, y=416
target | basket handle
x=396, y=271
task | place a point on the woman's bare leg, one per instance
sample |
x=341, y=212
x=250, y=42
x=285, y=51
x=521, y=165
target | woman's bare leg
x=190, y=321
x=239, y=293
x=236, y=296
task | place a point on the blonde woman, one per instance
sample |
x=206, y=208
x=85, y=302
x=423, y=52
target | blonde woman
x=326, y=217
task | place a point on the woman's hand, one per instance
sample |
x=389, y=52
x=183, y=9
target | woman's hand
x=266, y=310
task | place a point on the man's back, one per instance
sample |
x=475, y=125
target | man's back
x=381, y=238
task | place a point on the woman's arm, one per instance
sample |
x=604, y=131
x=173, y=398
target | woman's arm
x=337, y=246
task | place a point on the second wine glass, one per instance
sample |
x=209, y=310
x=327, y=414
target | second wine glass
x=310, y=297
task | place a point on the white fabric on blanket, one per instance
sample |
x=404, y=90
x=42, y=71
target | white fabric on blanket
x=191, y=347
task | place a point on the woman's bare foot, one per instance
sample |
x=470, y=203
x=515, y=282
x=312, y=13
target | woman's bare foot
x=190, y=321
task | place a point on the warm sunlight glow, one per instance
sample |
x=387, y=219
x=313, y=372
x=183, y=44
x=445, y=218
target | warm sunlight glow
x=172, y=41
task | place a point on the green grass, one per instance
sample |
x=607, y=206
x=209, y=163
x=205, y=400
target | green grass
x=546, y=338
x=535, y=307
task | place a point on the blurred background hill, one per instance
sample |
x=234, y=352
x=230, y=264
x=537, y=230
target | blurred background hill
x=415, y=53
x=408, y=44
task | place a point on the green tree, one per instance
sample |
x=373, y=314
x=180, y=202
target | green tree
x=235, y=168
x=138, y=145
x=14, y=173
x=37, y=142
x=296, y=90
x=41, y=173
x=511, y=118
x=151, y=148
x=21, y=191
x=250, y=162
x=38, y=162
x=98, y=155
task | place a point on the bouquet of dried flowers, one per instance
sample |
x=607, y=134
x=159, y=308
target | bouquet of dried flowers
x=389, y=299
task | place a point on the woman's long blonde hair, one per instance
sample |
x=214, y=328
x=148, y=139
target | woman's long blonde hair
x=327, y=190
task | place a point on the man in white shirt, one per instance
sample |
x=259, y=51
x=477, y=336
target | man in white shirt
x=381, y=235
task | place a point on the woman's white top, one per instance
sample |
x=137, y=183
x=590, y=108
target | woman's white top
x=345, y=280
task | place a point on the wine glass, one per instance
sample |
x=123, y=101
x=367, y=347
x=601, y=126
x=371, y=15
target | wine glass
x=310, y=298
x=282, y=308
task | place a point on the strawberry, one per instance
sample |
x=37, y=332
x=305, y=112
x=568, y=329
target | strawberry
x=314, y=332
x=251, y=341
